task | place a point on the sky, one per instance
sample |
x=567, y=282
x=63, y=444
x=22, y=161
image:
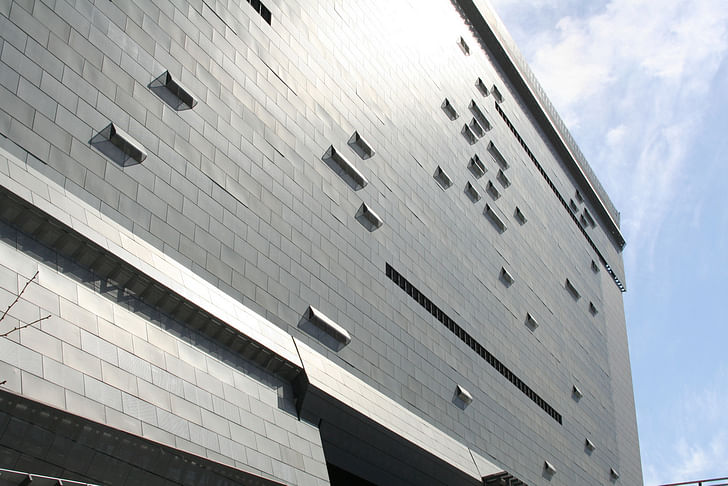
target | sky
x=643, y=87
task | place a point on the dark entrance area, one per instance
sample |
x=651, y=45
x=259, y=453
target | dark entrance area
x=340, y=477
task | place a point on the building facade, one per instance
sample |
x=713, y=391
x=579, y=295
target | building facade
x=300, y=242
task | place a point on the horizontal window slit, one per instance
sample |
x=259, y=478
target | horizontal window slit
x=473, y=344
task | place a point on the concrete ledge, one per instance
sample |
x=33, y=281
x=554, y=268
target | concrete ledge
x=346, y=388
x=92, y=226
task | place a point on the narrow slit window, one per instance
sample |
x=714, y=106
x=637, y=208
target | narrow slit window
x=183, y=94
x=367, y=217
x=496, y=94
x=503, y=179
x=344, y=168
x=265, y=13
x=472, y=192
x=463, y=395
x=126, y=143
x=476, y=166
x=594, y=267
x=506, y=276
x=477, y=128
x=442, y=178
x=482, y=87
x=261, y=9
x=119, y=145
x=520, y=216
x=468, y=135
x=589, y=445
x=328, y=326
x=572, y=205
x=492, y=190
x=495, y=218
x=572, y=290
x=479, y=115
x=449, y=110
x=464, y=46
x=361, y=146
x=593, y=309
x=497, y=156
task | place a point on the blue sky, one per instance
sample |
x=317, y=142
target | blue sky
x=643, y=87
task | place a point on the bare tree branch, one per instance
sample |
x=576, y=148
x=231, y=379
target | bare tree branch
x=17, y=298
x=18, y=328
x=22, y=326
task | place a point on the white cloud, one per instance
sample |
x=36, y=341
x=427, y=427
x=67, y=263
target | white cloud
x=643, y=67
x=615, y=136
x=669, y=39
x=697, y=446
x=690, y=462
x=570, y=73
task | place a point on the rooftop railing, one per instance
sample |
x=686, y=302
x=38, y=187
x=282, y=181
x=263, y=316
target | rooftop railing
x=702, y=482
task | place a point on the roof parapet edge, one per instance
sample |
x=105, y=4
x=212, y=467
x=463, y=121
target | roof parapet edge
x=483, y=19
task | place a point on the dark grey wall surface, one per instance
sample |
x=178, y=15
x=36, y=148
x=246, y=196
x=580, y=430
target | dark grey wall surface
x=236, y=189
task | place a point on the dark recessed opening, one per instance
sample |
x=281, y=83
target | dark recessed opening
x=470, y=341
x=341, y=477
